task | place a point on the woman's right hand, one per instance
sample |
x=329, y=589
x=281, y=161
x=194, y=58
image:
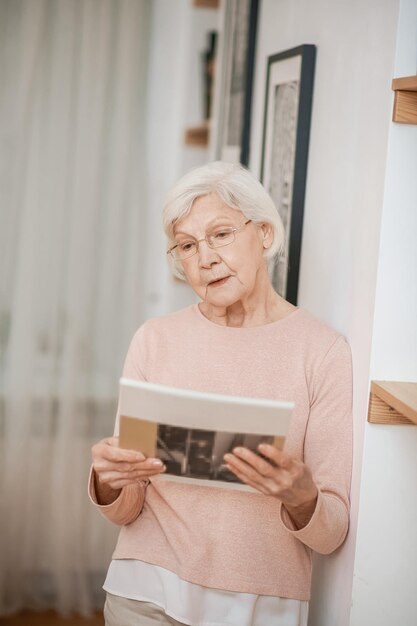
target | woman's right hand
x=116, y=467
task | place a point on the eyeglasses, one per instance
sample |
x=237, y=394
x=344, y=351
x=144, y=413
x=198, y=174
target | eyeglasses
x=218, y=238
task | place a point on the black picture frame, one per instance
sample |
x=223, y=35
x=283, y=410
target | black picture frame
x=284, y=157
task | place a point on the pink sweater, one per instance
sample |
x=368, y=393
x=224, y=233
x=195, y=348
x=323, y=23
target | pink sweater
x=234, y=540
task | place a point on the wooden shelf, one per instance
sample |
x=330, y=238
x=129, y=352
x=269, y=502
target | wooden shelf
x=198, y=135
x=206, y=4
x=405, y=101
x=407, y=83
x=392, y=402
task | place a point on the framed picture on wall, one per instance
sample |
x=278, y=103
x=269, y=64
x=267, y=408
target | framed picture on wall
x=287, y=114
x=233, y=80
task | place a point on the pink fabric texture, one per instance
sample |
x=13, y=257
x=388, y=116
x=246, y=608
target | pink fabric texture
x=233, y=540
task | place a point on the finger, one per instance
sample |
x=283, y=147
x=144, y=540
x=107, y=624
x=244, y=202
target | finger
x=261, y=465
x=292, y=473
x=146, y=465
x=119, y=484
x=245, y=479
x=110, y=477
x=109, y=449
x=120, y=454
x=150, y=465
x=279, y=457
x=267, y=486
x=277, y=482
x=249, y=471
x=112, y=441
x=103, y=467
x=126, y=469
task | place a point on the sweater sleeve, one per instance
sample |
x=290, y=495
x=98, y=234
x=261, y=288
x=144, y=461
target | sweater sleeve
x=328, y=451
x=128, y=506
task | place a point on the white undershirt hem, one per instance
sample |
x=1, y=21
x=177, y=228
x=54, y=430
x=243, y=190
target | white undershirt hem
x=196, y=605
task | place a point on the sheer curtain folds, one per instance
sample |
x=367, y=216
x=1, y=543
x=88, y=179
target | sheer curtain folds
x=72, y=239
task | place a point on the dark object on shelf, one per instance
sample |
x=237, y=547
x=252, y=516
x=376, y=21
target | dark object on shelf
x=208, y=58
x=250, y=63
x=234, y=75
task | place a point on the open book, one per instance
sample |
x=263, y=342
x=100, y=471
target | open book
x=190, y=431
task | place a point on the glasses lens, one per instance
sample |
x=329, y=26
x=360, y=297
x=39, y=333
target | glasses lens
x=184, y=250
x=221, y=237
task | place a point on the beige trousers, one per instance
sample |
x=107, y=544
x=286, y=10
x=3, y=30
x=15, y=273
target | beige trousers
x=120, y=611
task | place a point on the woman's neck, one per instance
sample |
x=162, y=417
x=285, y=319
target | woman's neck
x=269, y=309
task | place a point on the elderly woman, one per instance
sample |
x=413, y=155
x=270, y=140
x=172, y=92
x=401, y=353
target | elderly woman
x=198, y=555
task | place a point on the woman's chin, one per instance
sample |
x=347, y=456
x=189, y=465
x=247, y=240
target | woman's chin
x=221, y=300
x=221, y=296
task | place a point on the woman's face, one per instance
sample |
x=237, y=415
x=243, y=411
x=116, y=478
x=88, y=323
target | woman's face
x=242, y=262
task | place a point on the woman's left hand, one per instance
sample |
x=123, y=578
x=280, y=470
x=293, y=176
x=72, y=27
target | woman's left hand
x=281, y=476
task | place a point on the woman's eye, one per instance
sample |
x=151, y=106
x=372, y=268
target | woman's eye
x=222, y=234
x=186, y=246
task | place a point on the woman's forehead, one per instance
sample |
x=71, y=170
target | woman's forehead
x=206, y=212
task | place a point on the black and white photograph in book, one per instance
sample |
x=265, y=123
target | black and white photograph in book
x=288, y=101
x=190, y=431
x=195, y=453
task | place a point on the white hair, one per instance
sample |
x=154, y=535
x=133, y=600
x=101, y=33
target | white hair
x=237, y=187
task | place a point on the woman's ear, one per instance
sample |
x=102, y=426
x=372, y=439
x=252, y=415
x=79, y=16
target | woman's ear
x=267, y=234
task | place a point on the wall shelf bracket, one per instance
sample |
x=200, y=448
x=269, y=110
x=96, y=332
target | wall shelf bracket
x=392, y=402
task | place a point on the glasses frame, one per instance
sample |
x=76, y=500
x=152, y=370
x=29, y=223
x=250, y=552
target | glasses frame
x=197, y=241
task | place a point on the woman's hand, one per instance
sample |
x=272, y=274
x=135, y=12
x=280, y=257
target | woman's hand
x=116, y=467
x=280, y=476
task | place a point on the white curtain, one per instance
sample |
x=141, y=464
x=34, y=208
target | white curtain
x=72, y=245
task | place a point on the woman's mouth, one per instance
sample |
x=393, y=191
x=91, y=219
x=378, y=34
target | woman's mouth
x=220, y=282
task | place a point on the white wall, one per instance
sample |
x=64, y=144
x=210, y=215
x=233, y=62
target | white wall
x=384, y=590
x=348, y=145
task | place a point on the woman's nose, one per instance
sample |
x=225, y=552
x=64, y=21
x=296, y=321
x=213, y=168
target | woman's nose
x=206, y=255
